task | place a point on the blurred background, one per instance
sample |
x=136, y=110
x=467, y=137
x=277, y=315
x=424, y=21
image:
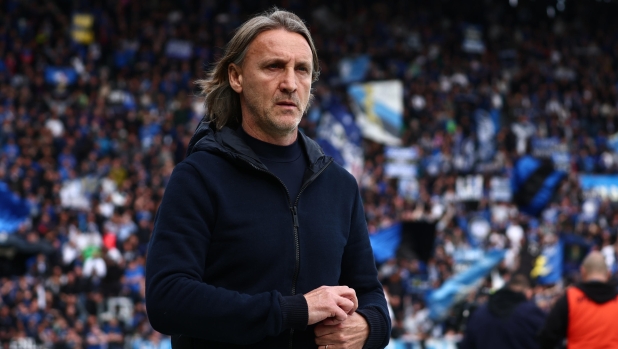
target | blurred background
x=483, y=134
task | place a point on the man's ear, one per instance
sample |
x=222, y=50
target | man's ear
x=234, y=74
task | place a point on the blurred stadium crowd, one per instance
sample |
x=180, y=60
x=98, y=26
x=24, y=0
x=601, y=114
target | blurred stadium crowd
x=94, y=116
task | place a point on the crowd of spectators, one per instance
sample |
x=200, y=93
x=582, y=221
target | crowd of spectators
x=92, y=156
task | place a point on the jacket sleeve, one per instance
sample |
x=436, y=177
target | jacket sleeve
x=178, y=301
x=359, y=272
x=556, y=325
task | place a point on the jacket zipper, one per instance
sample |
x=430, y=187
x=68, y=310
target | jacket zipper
x=297, y=245
x=296, y=225
x=294, y=210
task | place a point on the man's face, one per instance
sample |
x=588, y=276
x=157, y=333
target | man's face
x=274, y=83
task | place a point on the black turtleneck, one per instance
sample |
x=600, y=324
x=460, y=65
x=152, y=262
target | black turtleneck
x=288, y=163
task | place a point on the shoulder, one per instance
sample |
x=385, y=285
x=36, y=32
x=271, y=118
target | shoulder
x=531, y=312
x=207, y=164
x=342, y=175
x=481, y=312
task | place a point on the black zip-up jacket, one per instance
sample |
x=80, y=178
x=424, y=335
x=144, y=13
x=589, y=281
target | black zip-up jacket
x=231, y=254
x=507, y=321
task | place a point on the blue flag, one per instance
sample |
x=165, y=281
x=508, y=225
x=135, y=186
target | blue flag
x=385, y=242
x=353, y=69
x=548, y=266
x=534, y=182
x=378, y=106
x=60, y=75
x=575, y=248
x=340, y=137
x=458, y=286
x=13, y=210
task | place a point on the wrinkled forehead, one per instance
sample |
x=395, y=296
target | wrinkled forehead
x=281, y=44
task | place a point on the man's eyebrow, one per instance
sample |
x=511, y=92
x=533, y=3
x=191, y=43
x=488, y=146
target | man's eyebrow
x=270, y=60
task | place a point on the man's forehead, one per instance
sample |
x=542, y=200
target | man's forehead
x=280, y=43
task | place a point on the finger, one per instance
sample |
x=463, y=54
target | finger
x=324, y=329
x=321, y=342
x=348, y=293
x=346, y=305
x=339, y=314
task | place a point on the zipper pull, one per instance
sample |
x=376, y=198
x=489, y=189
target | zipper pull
x=295, y=215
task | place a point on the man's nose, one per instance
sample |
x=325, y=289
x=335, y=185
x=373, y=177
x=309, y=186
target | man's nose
x=288, y=81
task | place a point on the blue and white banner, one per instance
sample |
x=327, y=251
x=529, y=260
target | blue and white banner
x=473, y=39
x=180, y=49
x=500, y=189
x=340, y=137
x=601, y=186
x=465, y=257
x=401, y=162
x=385, y=242
x=13, y=210
x=353, y=69
x=408, y=188
x=486, y=129
x=458, y=286
x=60, y=75
x=548, y=266
x=554, y=149
x=379, y=110
x=469, y=188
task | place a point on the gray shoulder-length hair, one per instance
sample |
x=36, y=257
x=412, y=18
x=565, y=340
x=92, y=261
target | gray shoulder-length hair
x=223, y=103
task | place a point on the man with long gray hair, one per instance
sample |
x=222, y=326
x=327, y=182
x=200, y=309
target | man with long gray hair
x=260, y=240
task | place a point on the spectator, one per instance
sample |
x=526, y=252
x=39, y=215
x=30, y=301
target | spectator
x=508, y=320
x=586, y=314
x=119, y=128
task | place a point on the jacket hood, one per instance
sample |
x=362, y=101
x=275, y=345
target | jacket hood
x=504, y=301
x=226, y=142
x=599, y=292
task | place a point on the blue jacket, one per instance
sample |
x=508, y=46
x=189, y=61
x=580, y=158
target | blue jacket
x=231, y=255
x=506, y=321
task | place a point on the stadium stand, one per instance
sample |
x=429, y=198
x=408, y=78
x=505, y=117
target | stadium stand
x=97, y=105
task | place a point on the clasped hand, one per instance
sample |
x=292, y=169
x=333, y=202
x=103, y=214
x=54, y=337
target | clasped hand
x=333, y=309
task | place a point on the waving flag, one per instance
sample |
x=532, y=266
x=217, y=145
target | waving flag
x=13, y=210
x=379, y=110
x=534, y=182
x=548, y=266
x=385, y=242
x=60, y=75
x=458, y=286
x=340, y=137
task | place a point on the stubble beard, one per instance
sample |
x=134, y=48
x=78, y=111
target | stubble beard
x=279, y=125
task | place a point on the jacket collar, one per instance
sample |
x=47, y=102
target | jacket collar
x=227, y=143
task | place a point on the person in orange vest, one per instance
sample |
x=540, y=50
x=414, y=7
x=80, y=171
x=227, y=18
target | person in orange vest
x=587, y=313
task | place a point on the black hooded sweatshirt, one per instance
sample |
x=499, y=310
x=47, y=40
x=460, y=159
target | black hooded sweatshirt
x=507, y=321
x=232, y=253
x=555, y=329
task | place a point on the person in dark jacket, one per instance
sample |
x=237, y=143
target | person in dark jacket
x=261, y=240
x=507, y=320
x=587, y=313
